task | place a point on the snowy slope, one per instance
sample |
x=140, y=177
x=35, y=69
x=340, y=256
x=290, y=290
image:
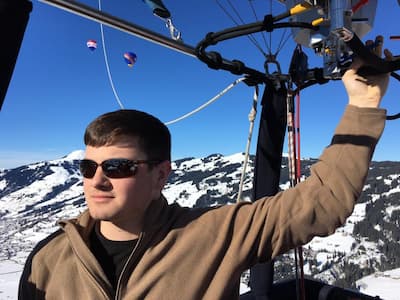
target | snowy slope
x=34, y=197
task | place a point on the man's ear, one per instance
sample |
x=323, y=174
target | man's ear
x=164, y=169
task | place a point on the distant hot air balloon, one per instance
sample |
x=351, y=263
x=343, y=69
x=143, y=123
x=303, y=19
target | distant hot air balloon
x=91, y=44
x=130, y=58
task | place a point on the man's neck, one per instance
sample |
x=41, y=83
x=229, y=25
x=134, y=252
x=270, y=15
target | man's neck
x=113, y=232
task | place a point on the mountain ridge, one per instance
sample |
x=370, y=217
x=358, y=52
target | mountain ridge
x=35, y=196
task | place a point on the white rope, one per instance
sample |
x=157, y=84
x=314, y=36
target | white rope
x=107, y=66
x=207, y=103
x=252, y=117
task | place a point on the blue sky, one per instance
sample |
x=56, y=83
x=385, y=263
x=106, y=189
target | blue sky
x=59, y=86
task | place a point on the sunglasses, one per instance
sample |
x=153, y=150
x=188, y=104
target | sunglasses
x=113, y=168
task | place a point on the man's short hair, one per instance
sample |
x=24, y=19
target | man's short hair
x=152, y=135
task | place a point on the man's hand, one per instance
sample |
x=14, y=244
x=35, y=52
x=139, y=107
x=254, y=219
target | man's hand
x=366, y=91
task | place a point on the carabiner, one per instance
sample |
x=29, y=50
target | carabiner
x=174, y=32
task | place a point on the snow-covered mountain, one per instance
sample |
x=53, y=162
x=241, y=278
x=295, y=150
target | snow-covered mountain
x=34, y=197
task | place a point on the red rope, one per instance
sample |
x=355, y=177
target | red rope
x=298, y=176
x=359, y=4
x=297, y=127
x=293, y=124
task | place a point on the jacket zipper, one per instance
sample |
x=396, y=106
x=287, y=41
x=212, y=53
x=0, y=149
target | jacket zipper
x=118, y=291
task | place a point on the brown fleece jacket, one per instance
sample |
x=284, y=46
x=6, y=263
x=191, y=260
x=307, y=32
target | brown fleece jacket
x=190, y=254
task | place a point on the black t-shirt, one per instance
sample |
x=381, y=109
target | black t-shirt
x=112, y=255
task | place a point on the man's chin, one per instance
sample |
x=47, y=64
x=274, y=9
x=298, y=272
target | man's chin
x=99, y=216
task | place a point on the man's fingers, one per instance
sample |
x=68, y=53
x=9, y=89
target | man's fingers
x=375, y=46
x=369, y=44
x=378, y=45
x=388, y=54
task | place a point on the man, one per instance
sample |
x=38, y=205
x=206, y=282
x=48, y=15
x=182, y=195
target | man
x=131, y=244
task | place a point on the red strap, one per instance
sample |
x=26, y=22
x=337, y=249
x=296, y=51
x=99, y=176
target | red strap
x=360, y=4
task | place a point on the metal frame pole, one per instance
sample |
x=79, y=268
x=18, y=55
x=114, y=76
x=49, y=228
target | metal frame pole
x=117, y=23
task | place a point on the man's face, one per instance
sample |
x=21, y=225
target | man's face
x=123, y=201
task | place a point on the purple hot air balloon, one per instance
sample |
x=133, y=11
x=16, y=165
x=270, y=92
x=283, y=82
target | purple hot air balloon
x=130, y=58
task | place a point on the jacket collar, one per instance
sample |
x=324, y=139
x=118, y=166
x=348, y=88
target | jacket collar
x=156, y=215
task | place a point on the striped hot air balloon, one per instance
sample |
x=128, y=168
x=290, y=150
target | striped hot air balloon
x=91, y=44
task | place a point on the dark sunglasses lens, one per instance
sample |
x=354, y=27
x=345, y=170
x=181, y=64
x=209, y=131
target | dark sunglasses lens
x=118, y=168
x=88, y=168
